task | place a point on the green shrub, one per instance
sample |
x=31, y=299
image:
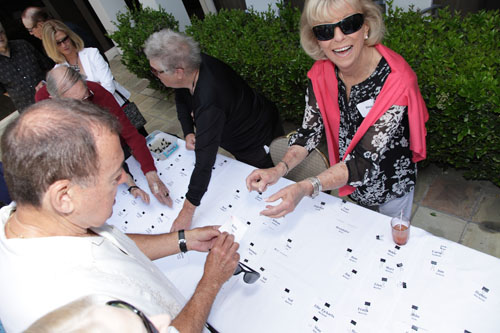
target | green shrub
x=264, y=48
x=134, y=27
x=457, y=61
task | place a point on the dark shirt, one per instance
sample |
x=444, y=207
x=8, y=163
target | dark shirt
x=128, y=133
x=227, y=113
x=380, y=166
x=22, y=71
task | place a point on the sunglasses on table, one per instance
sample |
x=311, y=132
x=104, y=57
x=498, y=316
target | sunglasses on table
x=249, y=276
x=150, y=328
x=62, y=41
x=348, y=26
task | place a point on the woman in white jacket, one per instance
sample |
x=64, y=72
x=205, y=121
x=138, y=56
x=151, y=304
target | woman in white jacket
x=66, y=48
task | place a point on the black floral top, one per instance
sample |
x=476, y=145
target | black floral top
x=380, y=166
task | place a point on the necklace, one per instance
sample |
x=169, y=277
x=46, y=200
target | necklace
x=75, y=67
x=10, y=229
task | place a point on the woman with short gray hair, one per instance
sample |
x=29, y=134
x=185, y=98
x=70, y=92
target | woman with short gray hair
x=174, y=50
x=212, y=97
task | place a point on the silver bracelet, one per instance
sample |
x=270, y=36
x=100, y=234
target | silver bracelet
x=316, y=183
x=286, y=166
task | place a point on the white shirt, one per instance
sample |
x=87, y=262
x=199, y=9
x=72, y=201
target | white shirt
x=39, y=275
x=97, y=70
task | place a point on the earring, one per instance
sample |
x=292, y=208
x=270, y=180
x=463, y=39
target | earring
x=366, y=36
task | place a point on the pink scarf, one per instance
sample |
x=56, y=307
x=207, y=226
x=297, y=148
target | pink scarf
x=400, y=88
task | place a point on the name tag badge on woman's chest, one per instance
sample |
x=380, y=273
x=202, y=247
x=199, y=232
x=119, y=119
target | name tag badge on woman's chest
x=365, y=107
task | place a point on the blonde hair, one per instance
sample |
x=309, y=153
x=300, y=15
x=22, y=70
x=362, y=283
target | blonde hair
x=50, y=28
x=320, y=11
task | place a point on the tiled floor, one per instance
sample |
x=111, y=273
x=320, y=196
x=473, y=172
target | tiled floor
x=445, y=204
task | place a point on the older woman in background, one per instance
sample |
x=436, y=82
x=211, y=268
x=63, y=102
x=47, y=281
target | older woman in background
x=366, y=99
x=212, y=97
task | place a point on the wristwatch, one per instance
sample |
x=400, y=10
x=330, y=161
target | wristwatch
x=182, y=241
x=316, y=186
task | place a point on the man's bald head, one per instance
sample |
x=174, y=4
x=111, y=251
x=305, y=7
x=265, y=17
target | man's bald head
x=34, y=15
x=33, y=19
x=50, y=141
x=61, y=79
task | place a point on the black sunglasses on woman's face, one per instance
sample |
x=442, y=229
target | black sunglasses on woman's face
x=349, y=25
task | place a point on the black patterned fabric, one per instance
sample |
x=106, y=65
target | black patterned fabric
x=380, y=165
x=21, y=72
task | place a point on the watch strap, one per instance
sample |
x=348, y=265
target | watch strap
x=182, y=241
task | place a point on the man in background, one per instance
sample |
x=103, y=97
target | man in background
x=33, y=19
x=22, y=70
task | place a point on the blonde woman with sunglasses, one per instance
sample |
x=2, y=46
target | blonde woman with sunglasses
x=365, y=99
x=65, y=47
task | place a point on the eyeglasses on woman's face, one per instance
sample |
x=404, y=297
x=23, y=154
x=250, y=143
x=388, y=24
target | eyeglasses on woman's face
x=62, y=40
x=150, y=328
x=349, y=25
x=155, y=71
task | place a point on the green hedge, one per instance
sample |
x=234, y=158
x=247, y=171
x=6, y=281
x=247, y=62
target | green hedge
x=133, y=28
x=264, y=48
x=457, y=61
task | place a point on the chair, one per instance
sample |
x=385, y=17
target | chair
x=315, y=163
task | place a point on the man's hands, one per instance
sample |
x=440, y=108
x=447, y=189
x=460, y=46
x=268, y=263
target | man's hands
x=219, y=267
x=158, y=189
x=221, y=261
x=185, y=217
x=190, y=141
x=202, y=239
x=290, y=196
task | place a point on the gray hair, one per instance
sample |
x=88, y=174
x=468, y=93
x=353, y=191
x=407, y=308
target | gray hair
x=53, y=140
x=61, y=79
x=320, y=11
x=173, y=50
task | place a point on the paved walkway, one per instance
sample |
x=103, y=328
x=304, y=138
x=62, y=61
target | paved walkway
x=445, y=203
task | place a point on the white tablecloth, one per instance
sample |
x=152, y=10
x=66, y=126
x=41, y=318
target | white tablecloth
x=330, y=266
